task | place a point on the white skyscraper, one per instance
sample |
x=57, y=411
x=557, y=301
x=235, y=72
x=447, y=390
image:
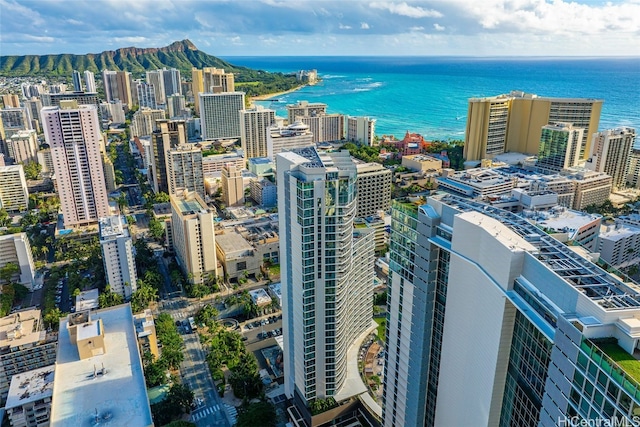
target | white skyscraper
x=89, y=81
x=361, y=130
x=146, y=95
x=117, y=256
x=326, y=284
x=610, y=152
x=73, y=133
x=254, y=128
x=155, y=78
x=220, y=114
x=14, y=196
x=77, y=81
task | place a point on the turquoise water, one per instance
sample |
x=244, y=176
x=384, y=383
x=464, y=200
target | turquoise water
x=429, y=95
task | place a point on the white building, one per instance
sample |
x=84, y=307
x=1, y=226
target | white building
x=327, y=273
x=117, y=256
x=361, y=130
x=184, y=169
x=23, y=146
x=146, y=96
x=73, y=133
x=176, y=106
x=619, y=245
x=29, y=400
x=610, y=152
x=89, y=81
x=254, y=128
x=14, y=195
x=144, y=121
x=16, y=249
x=306, y=109
x=281, y=139
x=212, y=165
x=325, y=127
x=220, y=114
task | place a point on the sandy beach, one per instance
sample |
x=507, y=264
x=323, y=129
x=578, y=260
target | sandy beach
x=274, y=95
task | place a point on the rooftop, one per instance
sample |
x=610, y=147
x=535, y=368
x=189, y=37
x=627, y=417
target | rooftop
x=87, y=300
x=108, y=386
x=20, y=328
x=232, y=243
x=113, y=226
x=594, y=282
x=30, y=386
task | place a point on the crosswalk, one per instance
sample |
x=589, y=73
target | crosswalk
x=233, y=413
x=203, y=412
x=178, y=316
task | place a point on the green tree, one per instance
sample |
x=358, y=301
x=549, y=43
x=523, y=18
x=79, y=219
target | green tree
x=141, y=298
x=32, y=170
x=207, y=315
x=156, y=229
x=5, y=220
x=244, y=378
x=52, y=318
x=8, y=271
x=109, y=299
x=257, y=414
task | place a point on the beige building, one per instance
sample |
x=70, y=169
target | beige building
x=374, y=189
x=422, y=163
x=184, y=169
x=73, y=133
x=361, y=130
x=168, y=135
x=23, y=146
x=146, y=333
x=513, y=122
x=197, y=87
x=254, y=128
x=16, y=249
x=633, y=172
x=14, y=196
x=29, y=400
x=592, y=188
x=144, y=121
x=610, y=153
x=24, y=346
x=305, y=109
x=232, y=186
x=325, y=127
x=212, y=165
x=193, y=236
x=10, y=100
x=216, y=80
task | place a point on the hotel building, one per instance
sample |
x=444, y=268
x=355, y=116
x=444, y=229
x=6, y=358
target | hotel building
x=326, y=284
x=193, y=236
x=281, y=139
x=144, y=121
x=361, y=130
x=556, y=340
x=610, y=153
x=559, y=147
x=22, y=147
x=513, y=122
x=73, y=133
x=184, y=169
x=232, y=185
x=305, y=109
x=117, y=256
x=254, y=128
x=168, y=135
x=14, y=196
x=374, y=189
x=220, y=114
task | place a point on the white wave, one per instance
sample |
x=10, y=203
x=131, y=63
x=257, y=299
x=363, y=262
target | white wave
x=331, y=76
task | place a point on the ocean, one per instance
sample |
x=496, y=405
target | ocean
x=429, y=95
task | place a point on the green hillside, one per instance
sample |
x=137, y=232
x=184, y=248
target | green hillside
x=182, y=55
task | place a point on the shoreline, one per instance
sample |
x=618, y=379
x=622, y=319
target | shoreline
x=268, y=96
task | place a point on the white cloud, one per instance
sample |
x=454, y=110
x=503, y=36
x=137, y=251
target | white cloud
x=236, y=40
x=438, y=27
x=39, y=39
x=130, y=39
x=416, y=28
x=404, y=9
x=74, y=21
x=344, y=27
x=364, y=26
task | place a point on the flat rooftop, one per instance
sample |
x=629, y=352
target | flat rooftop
x=232, y=243
x=21, y=328
x=594, y=282
x=113, y=226
x=87, y=300
x=119, y=396
x=30, y=386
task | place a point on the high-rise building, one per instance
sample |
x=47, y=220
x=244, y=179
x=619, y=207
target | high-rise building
x=89, y=81
x=97, y=353
x=33, y=107
x=361, y=130
x=112, y=112
x=374, y=189
x=10, y=100
x=24, y=345
x=156, y=79
x=281, y=139
x=73, y=133
x=325, y=127
x=77, y=81
x=14, y=195
x=220, y=114
x=176, y=106
x=326, y=284
x=559, y=147
x=254, y=128
x=513, y=122
x=117, y=256
x=215, y=80
x=553, y=341
x=13, y=120
x=31, y=90
x=633, y=174
x=305, y=109
x=22, y=147
x=144, y=121
x=117, y=86
x=197, y=87
x=16, y=249
x=193, y=236
x=232, y=185
x=610, y=153
x=168, y=135
x=82, y=98
x=146, y=95
x=184, y=169
x=171, y=82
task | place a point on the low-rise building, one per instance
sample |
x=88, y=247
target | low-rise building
x=146, y=333
x=29, y=399
x=568, y=225
x=479, y=182
x=24, y=346
x=16, y=249
x=87, y=300
x=619, y=245
x=264, y=192
x=422, y=163
x=212, y=165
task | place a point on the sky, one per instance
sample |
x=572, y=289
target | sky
x=319, y=27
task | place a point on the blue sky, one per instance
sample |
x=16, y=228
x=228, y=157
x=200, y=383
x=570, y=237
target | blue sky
x=318, y=27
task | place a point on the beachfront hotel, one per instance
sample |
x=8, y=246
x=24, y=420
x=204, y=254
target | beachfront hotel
x=513, y=123
x=523, y=330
